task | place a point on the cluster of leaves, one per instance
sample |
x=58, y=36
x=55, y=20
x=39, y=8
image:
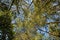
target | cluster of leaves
x=5, y=25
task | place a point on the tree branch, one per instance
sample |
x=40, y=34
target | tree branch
x=11, y=4
x=48, y=33
x=30, y=4
x=53, y=22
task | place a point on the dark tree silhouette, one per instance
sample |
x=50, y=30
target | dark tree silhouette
x=6, y=27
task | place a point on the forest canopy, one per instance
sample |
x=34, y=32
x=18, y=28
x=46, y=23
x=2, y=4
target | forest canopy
x=30, y=19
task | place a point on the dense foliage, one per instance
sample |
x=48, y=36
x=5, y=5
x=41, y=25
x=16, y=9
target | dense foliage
x=32, y=19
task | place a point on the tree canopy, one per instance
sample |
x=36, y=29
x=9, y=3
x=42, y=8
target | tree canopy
x=31, y=19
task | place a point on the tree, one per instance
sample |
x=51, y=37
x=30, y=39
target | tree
x=5, y=23
x=6, y=27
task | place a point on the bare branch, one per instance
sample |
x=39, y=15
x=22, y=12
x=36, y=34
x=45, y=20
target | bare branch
x=11, y=4
x=30, y=4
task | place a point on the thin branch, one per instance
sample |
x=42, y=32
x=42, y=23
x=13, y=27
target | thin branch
x=53, y=22
x=11, y=4
x=25, y=1
x=30, y=5
x=17, y=6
